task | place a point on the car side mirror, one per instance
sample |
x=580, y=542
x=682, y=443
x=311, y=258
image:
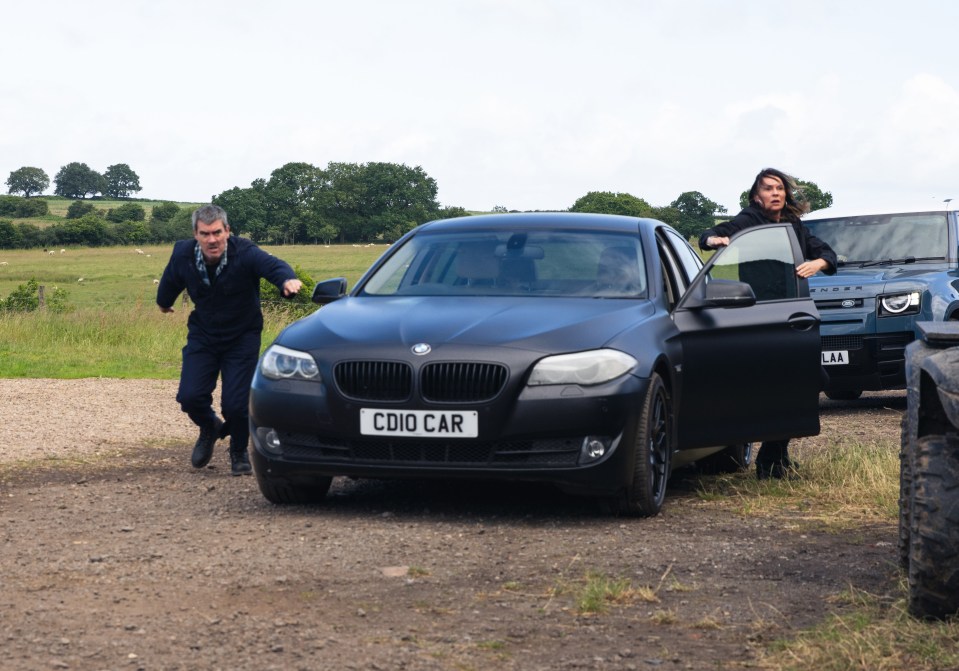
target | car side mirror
x=328, y=291
x=719, y=293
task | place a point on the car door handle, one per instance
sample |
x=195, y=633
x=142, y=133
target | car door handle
x=802, y=322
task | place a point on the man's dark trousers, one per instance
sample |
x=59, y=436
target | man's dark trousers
x=235, y=362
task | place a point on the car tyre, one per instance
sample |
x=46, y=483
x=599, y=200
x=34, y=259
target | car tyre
x=847, y=395
x=934, y=529
x=731, y=459
x=284, y=492
x=905, y=493
x=652, y=448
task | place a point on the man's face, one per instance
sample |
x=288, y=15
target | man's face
x=772, y=194
x=212, y=238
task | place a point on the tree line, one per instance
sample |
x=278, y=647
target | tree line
x=76, y=180
x=300, y=204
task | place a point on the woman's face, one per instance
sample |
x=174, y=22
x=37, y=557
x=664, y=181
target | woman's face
x=771, y=195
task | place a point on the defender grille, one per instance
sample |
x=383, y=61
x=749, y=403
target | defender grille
x=462, y=382
x=374, y=380
x=846, y=342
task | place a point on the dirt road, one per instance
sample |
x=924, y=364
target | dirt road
x=133, y=560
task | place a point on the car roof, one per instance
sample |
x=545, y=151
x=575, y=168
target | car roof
x=610, y=222
x=949, y=205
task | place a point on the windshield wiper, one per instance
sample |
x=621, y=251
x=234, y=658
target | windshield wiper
x=904, y=260
x=888, y=262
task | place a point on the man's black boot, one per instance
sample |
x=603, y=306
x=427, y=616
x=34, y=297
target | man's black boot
x=240, y=461
x=203, y=449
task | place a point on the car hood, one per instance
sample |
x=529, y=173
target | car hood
x=867, y=282
x=541, y=325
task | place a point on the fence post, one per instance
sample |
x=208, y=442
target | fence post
x=40, y=297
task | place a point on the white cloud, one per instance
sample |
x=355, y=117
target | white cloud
x=522, y=103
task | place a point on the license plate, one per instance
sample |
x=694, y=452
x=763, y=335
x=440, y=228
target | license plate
x=419, y=423
x=835, y=358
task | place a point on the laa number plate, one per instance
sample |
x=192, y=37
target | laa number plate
x=835, y=358
x=422, y=423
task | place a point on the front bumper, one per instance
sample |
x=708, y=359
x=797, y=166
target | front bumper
x=537, y=434
x=875, y=361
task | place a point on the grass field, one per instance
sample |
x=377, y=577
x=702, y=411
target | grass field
x=112, y=327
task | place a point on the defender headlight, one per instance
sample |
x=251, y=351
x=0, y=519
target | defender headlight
x=585, y=368
x=281, y=363
x=898, y=305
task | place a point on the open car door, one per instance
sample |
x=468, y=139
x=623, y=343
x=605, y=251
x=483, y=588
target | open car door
x=750, y=338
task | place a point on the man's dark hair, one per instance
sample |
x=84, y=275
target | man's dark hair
x=208, y=214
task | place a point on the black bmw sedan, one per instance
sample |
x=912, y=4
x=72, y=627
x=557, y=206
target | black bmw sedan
x=590, y=351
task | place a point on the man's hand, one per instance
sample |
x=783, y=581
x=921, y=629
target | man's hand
x=715, y=241
x=163, y=309
x=291, y=287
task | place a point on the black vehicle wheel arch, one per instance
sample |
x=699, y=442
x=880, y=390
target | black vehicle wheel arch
x=934, y=528
x=284, y=490
x=649, y=471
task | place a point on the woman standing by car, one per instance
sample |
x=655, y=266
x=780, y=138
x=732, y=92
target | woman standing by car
x=772, y=199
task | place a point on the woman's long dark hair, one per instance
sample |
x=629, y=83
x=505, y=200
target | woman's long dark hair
x=794, y=208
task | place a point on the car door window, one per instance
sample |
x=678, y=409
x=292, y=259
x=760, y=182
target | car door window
x=764, y=260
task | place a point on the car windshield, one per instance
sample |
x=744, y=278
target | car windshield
x=895, y=237
x=539, y=262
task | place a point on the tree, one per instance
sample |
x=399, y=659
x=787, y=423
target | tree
x=177, y=227
x=607, y=202
x=77, y=180
x=28, y=181
x=288, y=196
x=696, y=213
x=812, y=194
x=121, y=181
x=245, y=209
x=374, y=200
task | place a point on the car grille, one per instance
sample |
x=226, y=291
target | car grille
x=462, y=382
x=450, y=382
x=557, y=452
x=374, y=380
x=843, y=342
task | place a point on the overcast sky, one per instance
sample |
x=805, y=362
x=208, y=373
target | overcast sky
x=527, y=104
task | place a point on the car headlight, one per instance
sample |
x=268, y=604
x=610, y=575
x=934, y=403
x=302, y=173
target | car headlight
x=281, y=363
x=585, y=368
x=899, y=304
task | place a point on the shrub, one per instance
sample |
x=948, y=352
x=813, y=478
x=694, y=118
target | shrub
x=32, y=207
x=298, y=306
x=8, y=205
x=26, y=298
x=78, y=208
x=126, y=212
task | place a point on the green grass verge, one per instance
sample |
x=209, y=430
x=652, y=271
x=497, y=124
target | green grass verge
x=112, y=327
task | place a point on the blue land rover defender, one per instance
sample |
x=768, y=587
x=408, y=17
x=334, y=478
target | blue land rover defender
x=896, y=268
